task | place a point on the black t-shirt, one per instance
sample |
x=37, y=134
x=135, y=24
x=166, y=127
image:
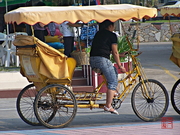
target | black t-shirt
x=102, y=43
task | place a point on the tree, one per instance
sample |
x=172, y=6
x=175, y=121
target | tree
x=103, y=2
x=137, y=2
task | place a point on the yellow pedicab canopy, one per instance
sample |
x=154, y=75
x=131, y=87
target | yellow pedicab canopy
x=59, y=14
x=171, y=10
x=47, y=14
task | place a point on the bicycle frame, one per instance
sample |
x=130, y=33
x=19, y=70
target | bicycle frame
x=128, y=84
x=130, y=80
x=55, y=104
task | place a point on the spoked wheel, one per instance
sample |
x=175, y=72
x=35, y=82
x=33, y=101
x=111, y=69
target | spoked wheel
x=154, y=107
x=55, y=106
x=175, y=96
x=24, y=105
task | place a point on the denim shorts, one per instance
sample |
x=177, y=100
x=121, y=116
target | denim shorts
x=108, y=70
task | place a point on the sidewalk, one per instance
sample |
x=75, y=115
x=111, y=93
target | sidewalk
x=11, y=83
x=154, y=128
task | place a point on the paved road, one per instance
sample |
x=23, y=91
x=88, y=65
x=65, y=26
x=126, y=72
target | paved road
x=156, y=64
x=88, y=122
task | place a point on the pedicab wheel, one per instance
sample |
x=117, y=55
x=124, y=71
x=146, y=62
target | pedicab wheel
x=175, y=96
x=55, y=106
x=24, y=105
x=154, y=107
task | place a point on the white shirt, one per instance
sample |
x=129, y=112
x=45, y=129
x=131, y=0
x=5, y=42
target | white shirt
x=67, y=30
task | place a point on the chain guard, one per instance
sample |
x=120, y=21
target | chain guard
x=116, y=104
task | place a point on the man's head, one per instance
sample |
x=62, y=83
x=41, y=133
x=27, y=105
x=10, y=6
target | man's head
x=107, y=24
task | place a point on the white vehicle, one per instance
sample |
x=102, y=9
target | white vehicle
x=171, y=3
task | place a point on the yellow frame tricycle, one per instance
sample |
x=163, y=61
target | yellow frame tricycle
x=49, y=100
x=174, y=10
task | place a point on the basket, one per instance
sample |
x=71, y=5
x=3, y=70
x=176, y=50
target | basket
x=82, y=58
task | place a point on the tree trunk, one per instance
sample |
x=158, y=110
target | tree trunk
x=103, y=2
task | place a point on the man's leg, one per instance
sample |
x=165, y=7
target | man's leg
x=68, y=45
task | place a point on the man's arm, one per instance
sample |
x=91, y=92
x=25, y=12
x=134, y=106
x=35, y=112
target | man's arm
x=75, y=24
x=116, y=57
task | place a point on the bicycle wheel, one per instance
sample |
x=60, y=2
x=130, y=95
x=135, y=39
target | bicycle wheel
x=153, y=108
x=24, y=105
x=175, y=96
x=55, y=106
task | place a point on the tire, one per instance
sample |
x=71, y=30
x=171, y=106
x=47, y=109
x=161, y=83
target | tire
x=175, y=96
x=24, y=105
x=150, y=109
x=57, y=103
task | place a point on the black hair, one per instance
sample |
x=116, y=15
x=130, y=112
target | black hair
x=105, y=24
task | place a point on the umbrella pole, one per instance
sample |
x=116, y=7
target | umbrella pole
x=170, y=26
x=7, y=30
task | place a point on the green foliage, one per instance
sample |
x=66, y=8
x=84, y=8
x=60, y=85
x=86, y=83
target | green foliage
x=59, y=2
x=123, y=46
x=9, y=69
x=88, y=50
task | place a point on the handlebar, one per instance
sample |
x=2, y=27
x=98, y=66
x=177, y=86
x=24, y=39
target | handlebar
x=130, y=53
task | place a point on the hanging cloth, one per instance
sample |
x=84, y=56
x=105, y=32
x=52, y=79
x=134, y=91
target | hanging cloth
x=52, y=28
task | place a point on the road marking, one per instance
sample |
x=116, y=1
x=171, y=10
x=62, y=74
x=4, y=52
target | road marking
x=168, y=72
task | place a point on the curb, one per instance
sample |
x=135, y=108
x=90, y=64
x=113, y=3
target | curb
x=9, y=93
x=11, y=83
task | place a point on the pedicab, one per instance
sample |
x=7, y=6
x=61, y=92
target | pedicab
x=174, y=10
x=50, y=100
